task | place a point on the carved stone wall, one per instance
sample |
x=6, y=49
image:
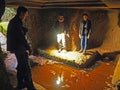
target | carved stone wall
x=34, y=26
x=112, y=37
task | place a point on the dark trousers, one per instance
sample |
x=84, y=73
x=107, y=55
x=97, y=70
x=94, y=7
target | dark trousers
x=24, y=78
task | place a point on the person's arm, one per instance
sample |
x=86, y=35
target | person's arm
x=89, y=29
x=21, y=37
x=80, y=29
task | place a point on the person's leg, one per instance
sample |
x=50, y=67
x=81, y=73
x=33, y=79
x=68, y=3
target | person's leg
x=27, y=73
x=63, y=41
x=85, y=44
x=24, y=72
x=20, y=79
x=59, y=41
x=20, y=76
x=81, y=44
x=58, y=38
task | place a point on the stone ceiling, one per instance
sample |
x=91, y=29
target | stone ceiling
x=65, y=3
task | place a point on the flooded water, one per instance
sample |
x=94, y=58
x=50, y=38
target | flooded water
x=61, y=77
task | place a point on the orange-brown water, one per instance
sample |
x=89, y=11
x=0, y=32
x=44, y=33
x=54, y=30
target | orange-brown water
x=72, y=78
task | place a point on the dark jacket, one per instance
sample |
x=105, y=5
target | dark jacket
x=85, y=27
x=16, y=35
x=61, y=27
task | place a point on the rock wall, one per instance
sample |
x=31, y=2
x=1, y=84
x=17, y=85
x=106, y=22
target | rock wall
x=34, y=26
x=112, y=37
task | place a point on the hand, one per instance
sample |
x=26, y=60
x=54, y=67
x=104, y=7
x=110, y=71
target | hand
x=30, y=52
x=79, y=36
x=67, y=35
x=88, y=36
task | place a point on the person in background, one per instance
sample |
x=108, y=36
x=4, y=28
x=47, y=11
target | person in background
x=84, y=32
x=62, y=30
x=17, y=43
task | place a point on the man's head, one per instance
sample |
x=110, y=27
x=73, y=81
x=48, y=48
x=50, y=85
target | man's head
x=61, y=18
x=22, y=12
x=85, y=16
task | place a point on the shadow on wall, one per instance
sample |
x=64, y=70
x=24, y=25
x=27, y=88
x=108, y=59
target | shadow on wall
x=100, y=22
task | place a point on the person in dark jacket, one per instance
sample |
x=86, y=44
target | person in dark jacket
x=17, y=43
x=84, y=32
x=62, y=32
